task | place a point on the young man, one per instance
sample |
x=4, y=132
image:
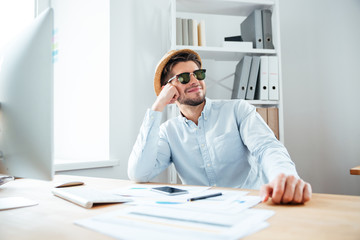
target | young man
x=214, y=143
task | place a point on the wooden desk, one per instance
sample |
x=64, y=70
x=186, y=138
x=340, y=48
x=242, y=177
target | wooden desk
x=324, y=217
x=355, y=170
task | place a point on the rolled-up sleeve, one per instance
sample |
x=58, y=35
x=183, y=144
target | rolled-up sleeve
x=151, y=153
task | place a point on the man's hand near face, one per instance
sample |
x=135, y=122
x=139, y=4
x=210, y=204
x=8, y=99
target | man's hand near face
x=168, y=95
x=286, y=189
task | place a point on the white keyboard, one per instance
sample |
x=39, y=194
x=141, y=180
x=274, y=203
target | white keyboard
x=87, y=197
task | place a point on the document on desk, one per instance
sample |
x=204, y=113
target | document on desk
x=16, y=202
x=142, y=194
x=164, y=222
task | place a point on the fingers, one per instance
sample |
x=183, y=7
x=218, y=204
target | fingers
x=175, y=97
x=265, y=192
x=279, y=188
x=169, y=94
x=286, y=189
x=290, y=189
x=299, y=192
x=307, y=192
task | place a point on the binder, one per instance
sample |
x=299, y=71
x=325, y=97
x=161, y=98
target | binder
x=179, y=37
x=241, y=78
x=273, y=120
x=251, y=29
x=253, y=77
x=273, y=78
x=267, y=29
x=185, y=31
x=262, y=87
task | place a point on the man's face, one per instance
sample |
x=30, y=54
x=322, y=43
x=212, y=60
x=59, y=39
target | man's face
x=192, y=93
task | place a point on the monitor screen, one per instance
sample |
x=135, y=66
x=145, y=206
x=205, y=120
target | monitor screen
x=26, y=97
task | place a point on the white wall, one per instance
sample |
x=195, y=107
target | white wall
x=321, y=85
x=320, y=50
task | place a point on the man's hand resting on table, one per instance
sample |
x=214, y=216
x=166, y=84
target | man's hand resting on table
x=286, y=189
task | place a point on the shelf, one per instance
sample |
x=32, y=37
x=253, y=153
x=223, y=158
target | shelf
x=263, y=102
x=223, y=18
x=225, y=54
x=222, y=7
x=258, y=102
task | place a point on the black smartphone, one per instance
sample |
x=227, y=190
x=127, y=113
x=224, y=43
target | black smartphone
x=169, y=190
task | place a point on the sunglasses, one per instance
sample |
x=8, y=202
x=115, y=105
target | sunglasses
x=184, y=78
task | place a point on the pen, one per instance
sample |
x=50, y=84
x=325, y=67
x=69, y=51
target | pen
x=204, y=197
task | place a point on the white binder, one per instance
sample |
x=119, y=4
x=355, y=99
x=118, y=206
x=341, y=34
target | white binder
x=273, y=78
x=262, y=90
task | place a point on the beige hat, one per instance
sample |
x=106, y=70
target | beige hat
x=162, y=63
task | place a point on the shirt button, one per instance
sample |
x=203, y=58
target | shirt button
x=208, y=164
x=205, y=118
x=202, y=145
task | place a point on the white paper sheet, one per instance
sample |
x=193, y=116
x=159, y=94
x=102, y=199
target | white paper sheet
x=138, y=222
x=15, y=202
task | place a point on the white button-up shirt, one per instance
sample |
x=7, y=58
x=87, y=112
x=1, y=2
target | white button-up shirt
x=231, y=146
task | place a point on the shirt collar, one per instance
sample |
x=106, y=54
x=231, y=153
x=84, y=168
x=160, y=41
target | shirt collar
x=205, y=112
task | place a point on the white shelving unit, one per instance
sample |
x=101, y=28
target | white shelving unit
x=222, y=19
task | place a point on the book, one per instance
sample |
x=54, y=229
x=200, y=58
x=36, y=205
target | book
x=241, y=78
x=251, y=29
x=179, y=37
x=253, y=78
x=193, y=32
x=262, y=88
x=185, y=31
x=270, y=115
x=263, y=113
x=273, y=78
x=201, y=33
x=267, y=29
x=273, y=120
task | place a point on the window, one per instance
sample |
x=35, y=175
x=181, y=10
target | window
x=81, y=84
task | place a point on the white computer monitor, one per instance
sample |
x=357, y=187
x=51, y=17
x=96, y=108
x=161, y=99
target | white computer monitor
x=26, y=97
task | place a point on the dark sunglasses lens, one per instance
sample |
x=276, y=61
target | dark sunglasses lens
x=200, y=74
x=184, y=78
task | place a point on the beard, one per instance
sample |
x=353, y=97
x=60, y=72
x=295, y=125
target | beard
x=192, y=102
